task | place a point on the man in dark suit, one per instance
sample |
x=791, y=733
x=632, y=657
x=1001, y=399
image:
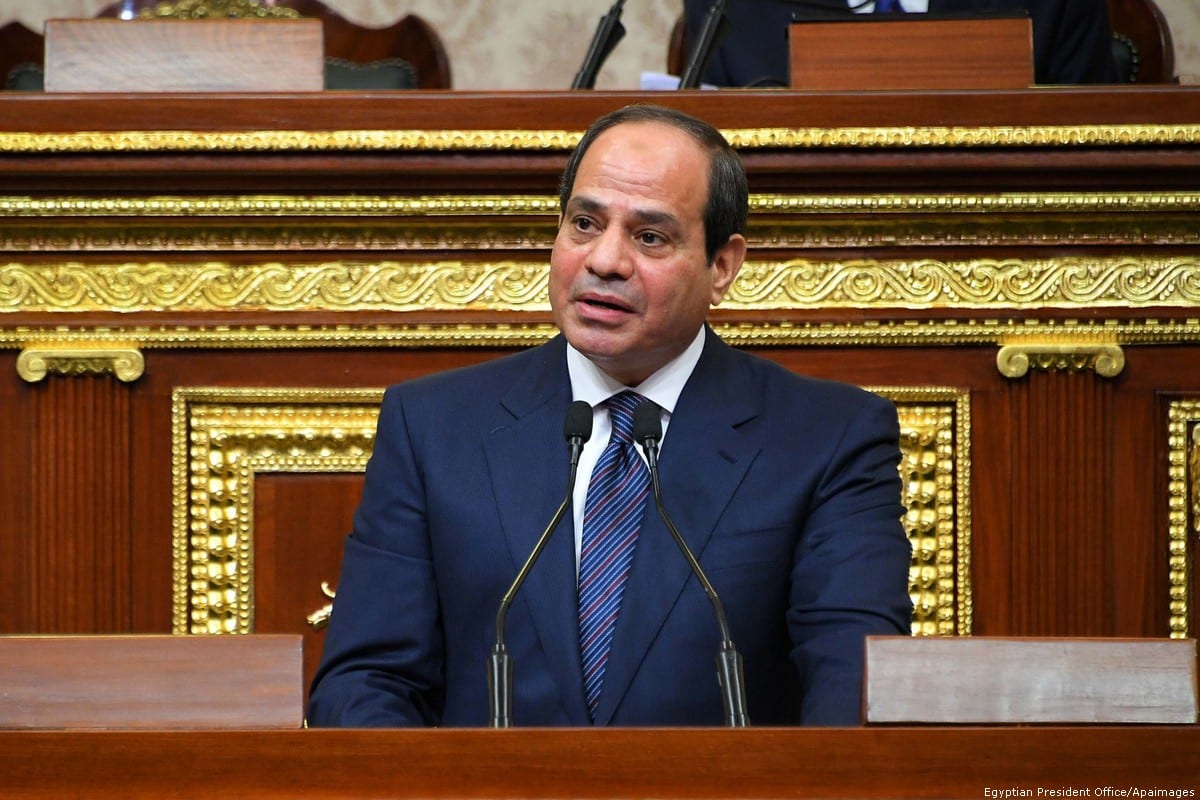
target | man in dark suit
x=1072, y=39
x=785, y=487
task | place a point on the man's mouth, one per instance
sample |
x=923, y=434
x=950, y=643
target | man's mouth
x=604, y=303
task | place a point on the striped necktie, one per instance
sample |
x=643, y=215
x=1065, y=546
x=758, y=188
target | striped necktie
x=612, y=515
x=888, y=7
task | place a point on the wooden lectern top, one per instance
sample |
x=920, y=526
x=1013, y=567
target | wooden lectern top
x=195, y=55
x=151, y=682
x=913, y=51
x=1019, y=680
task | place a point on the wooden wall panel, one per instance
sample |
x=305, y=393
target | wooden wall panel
x=79, y=506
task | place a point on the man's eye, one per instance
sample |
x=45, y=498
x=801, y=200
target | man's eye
x=584, y=224
x=651, y=238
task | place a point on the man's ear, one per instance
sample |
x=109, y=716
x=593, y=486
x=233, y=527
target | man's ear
x=725, y=266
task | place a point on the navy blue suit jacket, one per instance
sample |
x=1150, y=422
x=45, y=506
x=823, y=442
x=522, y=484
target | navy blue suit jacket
x=785, y=487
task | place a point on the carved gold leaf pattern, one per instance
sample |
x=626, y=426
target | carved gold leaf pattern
x=904, y=333
x=126, y=363
x=223, y=437
x=271, y=205
x=1183, y=508
x=935, y=430
x=742, y=138
x=1068, y=282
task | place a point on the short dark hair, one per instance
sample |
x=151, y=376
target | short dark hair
x=728, y=205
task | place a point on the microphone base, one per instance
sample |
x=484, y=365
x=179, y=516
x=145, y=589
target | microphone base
x=500, y=687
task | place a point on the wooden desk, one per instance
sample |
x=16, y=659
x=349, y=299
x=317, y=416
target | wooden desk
x=751, y=763
x=201, y=297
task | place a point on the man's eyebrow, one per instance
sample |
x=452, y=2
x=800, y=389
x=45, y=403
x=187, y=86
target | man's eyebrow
x=645, y=216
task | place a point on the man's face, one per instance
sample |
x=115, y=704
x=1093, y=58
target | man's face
x=629, y=283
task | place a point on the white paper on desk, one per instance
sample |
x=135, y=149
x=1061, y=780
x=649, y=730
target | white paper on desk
x=662, y=82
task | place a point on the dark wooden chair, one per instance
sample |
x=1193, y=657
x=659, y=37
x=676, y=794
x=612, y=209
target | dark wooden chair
x=357, y=57
x=1142, y=43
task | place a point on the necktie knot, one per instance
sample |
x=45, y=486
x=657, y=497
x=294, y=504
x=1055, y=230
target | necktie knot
x=620, y=412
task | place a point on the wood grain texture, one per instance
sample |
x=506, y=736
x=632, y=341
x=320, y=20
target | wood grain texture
x=155, y=682
x=230, y=55
x=895, y=763
x=1022, y=680
x=911, y=53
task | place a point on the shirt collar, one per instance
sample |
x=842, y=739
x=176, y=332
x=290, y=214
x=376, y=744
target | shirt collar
x=663, y=387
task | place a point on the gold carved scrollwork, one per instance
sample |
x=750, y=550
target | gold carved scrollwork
x=73, y=287
x=1015, y=360
x=223, y=438
x=320, y=618
x=35, y=362
x=1183, y=508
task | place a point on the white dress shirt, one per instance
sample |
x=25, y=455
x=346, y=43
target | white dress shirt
x=593, y=385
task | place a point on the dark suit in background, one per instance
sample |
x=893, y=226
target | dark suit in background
x=1072, y=39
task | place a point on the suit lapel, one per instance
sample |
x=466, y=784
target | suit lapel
x=530, y=479
x=703, y=461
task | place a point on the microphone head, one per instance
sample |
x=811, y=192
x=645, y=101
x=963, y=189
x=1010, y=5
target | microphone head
x=578, y=424
x=647, y=422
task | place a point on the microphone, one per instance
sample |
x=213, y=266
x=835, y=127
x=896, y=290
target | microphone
x=577, y=428
x=608, y=33
x=714, y=27
x=647, y=430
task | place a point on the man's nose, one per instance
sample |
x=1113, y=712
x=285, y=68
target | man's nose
x=611, y=254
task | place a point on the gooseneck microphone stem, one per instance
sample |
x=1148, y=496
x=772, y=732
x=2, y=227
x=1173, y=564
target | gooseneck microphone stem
x=714, y=27
x=647, y=428
x=608, y=33
x=577, y=429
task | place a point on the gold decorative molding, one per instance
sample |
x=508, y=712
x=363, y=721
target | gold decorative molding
x=35, y=362
x=508, y=285
x=1183, y=508
x=508, y=334
x=1015, y=360
x=222, y=439
x=502, y=139
x=209, y=9
x=279, y=224
x=272, y=205
x=935, y=446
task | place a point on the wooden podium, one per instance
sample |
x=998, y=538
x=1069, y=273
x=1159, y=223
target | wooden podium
x=914, y=51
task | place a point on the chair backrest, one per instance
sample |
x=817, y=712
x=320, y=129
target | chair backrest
x=151, y=682
x=1142, y=45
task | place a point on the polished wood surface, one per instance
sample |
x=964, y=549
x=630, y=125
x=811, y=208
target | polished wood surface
x=215, y=55
x=148, y=682
x=1011, y=681
x=752, y=763
x=909, y=52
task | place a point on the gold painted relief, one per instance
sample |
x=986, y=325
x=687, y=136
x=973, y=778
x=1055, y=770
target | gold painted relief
x=904, y=333
x=1183, y=509
x=470, y=140
x=280, y=223
x=223, y=438
x=509, y=285
x=935, y=466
